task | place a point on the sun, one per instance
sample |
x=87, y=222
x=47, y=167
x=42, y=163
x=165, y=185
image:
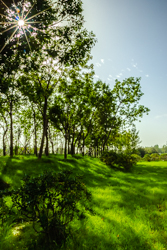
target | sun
x=19, y=18
x=21, y=23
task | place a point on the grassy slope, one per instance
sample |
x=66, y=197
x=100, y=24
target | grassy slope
x=131, y=208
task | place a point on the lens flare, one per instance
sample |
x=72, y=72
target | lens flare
x=21, y=22
x=16, y=18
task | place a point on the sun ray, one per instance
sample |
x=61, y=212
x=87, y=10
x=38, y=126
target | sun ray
x=28, y=30
x=15, y=5
x=37, y=14
x=8, y=22
x=17, y=19
x=5, y=4
x=9, y=29
x=35, y=28
x=29, y=11
x=9, y=39
x=33, y=22
x=18, y=39
x=27, y=39
x=22, y=11
x=7, y=17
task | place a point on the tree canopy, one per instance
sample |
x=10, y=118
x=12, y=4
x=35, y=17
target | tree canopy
x=47, y=83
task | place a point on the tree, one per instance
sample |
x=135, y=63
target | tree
x=71, y=110
x=9, y=94
x=117, y=108
x=41, y=72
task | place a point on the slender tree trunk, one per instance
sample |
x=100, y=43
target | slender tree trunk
x=65, y=147
x=16, y=149
x=95, y=151
x=5, y=130
x=51, y=141
x=83, y=145
x=44, y=129
x=106, y=140
x=72, y=146
x=4, y=144
x=47, y=140
x=35, y=133
x=11, y=128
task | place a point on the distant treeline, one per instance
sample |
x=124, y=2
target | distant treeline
x=142, y=151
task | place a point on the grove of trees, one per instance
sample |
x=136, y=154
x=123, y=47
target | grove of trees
x=48, y=97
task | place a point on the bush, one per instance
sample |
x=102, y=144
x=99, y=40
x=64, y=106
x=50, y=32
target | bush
x=147, y=157
x=50, y=201
x=154, y=157
x=137, y=157
x=163, y=157
x=114, y=159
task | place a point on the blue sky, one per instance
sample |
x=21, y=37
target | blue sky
x=132, y=41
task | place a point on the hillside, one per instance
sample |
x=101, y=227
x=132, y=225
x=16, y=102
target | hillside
x=131, y=208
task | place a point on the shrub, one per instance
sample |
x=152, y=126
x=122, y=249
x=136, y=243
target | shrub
x=137, y=157
x=154, y=157
x=109, y=157
x=163, y=157
x=51, y=201
x=119, y=159
x=147, y=157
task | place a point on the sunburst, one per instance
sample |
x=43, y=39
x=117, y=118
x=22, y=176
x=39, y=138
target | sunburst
x=16, y=17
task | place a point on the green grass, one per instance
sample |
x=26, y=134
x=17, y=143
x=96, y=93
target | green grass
x=131, y=208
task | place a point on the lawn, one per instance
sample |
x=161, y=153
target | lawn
x=130, y=207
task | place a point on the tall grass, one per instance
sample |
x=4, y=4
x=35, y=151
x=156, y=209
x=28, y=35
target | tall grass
x=131, y=208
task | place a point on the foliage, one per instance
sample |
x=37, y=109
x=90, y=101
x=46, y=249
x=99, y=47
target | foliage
x=124, y=160
x=154, y=157
x=50, y=201
x=163, y=157
x=137, y=157
x=147, y=157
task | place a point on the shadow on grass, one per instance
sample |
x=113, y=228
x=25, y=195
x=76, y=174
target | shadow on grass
x=117, y=238
x=143, y=190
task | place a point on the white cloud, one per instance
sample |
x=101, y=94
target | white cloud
x=128, y=69
x=96, y=76
x=135, y=65
x=147, y=75
x=160, y=116
x=102, y=60
x=118, y=76
x=98, y=64
x=109, y=79
x=110, y=76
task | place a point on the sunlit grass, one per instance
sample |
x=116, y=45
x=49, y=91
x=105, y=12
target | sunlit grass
x=131, y=208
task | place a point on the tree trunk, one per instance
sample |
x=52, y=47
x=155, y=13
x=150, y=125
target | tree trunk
x=72, y=146
x=11, y=129
x=4, y=145
x=5, y=130
x=44, y=129
x=51, y=141
x=35, y=133
x=65, y=147
x=16, y=149
x=47, y=140
x=95, y=155
x=106, y=140
x=83, y=145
